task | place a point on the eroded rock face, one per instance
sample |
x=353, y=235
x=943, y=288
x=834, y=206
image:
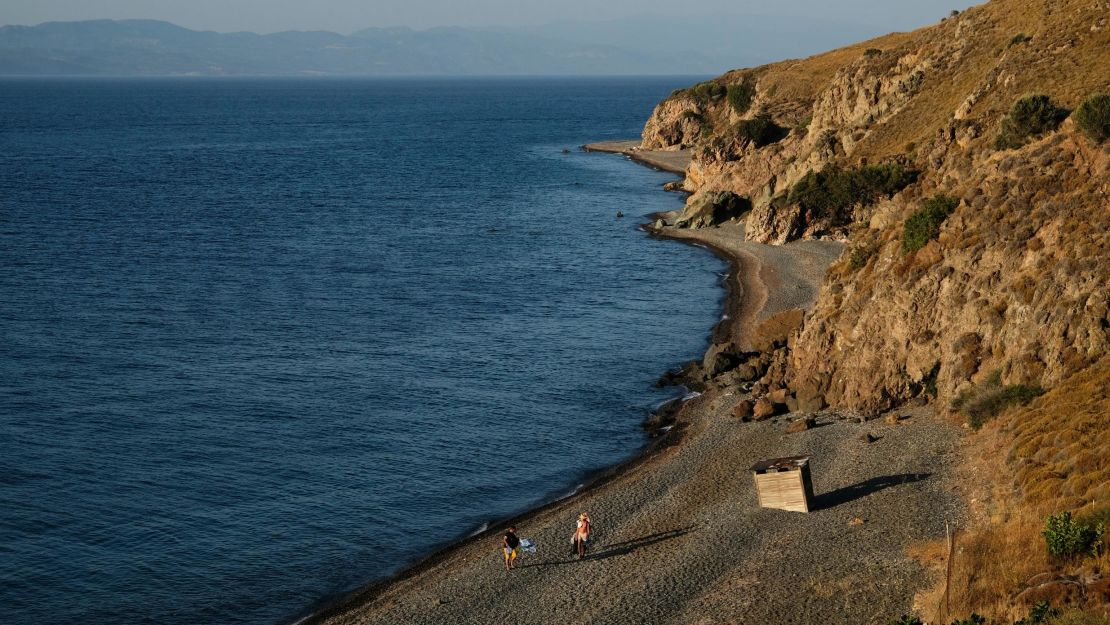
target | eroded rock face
x=1016, y=282
x=675, y=124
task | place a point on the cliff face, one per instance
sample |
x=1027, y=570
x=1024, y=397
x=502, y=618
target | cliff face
x=1015, y=280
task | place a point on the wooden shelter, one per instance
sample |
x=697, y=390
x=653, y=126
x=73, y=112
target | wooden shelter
x=784, y=483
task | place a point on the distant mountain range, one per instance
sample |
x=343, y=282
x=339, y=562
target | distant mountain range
x=646, y=45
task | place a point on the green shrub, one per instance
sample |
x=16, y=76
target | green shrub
x=707, y=91
x=1093, y=117
x=1030, y=115
x=974, y=619
x=1019, y=39
x=825, y=192
x=1066, y=537
x=831, y=191
x=988, y=399
x=924, y=225
x=872, y=52
x=694, y=115
x=761, y=130
x=740, y=96
x=877, y=181
x=1041, y=613
x=907, y=620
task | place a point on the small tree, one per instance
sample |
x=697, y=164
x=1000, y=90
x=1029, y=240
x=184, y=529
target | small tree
x=1067, y=538
x=740, y=96
x=707, y=91
x=1030, y=115
x=924, y=225
x=1093, y=117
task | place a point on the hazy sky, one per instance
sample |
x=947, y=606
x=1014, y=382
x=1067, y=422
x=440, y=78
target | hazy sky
x=345, y=16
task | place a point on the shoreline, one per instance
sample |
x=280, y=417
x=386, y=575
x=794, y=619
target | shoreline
x=691, y=479
x=674, y=161
x=729, y=324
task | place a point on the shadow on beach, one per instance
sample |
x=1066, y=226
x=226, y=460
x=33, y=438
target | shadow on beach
x=865, y=488
x=618, y=549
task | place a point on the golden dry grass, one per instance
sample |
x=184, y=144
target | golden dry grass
x=1067, y=57
x=1056, y=454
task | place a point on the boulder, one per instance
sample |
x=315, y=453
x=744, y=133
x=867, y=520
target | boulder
x=711, y=209
x=777, y=396
x=718, y=359
x=801, y=425
x=763, y=409
x=743, y=409
x=748, y=372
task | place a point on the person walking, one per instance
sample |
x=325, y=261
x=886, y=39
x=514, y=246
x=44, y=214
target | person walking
x=511, y=544
x=581, y=534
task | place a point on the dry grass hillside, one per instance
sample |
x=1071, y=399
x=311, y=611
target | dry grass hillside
x=975, y=204
x=1050, y=456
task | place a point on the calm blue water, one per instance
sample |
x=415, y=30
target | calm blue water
x=263, y=341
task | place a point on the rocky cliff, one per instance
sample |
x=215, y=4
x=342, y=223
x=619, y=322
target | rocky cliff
x=862, y=144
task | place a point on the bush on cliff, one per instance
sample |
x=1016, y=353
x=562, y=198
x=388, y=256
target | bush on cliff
x=1030, y=116
x=707, y=91
x=740, y=96
x=987, y=400
x=833, y=191
x=761, y=130
x=924, y=225
x=1093, y=117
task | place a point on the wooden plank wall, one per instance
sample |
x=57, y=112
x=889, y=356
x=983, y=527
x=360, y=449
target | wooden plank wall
x=783, y=490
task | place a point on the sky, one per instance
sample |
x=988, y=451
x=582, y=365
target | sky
x=346, y=16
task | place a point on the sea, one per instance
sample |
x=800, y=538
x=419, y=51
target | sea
x=263, y=341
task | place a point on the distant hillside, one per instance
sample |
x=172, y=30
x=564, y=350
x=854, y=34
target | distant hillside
x=640, y=44
x=144, y=47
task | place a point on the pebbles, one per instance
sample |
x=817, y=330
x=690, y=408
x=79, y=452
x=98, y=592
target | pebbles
x=682, y=536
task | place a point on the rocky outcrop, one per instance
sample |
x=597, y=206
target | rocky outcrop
x=675, y=124
x=711, y=209
x=1015, y=281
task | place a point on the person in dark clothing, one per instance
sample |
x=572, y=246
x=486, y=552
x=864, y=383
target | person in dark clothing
x=511, y=544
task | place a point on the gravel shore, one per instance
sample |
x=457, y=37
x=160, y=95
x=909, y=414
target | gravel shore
x=678, y=534
x=680, y=539
x=675, y=161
